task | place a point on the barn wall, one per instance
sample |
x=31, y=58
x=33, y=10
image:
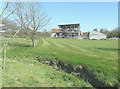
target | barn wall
x=97, y=36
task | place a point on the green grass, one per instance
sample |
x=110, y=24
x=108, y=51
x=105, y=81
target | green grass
x=100, y=56
x=27, y=72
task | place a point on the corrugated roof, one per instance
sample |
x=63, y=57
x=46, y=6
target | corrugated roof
x=69, y=25
x=95, y=32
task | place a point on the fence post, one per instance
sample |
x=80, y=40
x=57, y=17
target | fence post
x=4, y=53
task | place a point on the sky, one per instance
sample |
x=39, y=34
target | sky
x=90, y=15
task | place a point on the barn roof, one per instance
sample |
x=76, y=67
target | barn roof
x=69, y=25
x=95, y=32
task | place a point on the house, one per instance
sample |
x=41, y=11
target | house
x=96, y=35
x=67, y=31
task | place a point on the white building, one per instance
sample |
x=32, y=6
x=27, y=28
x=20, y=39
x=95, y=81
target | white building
x=96, y=35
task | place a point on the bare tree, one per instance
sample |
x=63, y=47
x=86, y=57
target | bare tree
x=10, y=27
x=1, y=21
x=7, y=3
x=34, y=17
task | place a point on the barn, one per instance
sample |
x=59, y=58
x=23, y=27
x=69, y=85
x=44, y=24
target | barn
x=96, y=35
x=71, y=31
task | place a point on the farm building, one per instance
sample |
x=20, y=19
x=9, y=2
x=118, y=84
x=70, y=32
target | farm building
x=67, y=31
x=96, y=35
x=54, y=32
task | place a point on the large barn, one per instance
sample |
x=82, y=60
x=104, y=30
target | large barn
x=67, y=31
x=96, y=35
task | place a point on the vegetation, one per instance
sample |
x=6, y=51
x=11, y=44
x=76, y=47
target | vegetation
x=27, y=72
x=95, y=30
x=32, y=17
x=110, y=34
x=100, y=56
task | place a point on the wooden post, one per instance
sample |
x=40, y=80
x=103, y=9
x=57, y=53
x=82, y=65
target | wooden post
x=4, y=54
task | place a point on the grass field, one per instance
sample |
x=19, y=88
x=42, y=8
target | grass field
x=30, y=73
x=100, y=56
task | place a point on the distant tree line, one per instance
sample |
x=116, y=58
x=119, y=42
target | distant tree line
x=10, y=27
x=114, y=33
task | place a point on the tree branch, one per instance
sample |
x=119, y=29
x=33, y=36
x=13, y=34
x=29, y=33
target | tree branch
x=10, y=13
x=4, y=8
